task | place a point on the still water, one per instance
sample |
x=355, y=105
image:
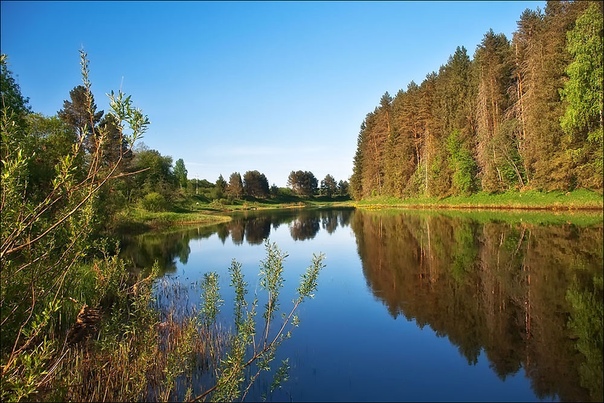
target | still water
x=417, y=306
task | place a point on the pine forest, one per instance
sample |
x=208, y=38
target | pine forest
x=522, y=114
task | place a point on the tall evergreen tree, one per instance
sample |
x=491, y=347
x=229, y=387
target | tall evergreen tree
x=235, y=186
x=77, y=113
x=400, y=154
x=356, y=179
x=329, y=186
x=221, y=185
x=497, y=152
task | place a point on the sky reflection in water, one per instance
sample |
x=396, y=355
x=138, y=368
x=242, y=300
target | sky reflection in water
x=416, y=307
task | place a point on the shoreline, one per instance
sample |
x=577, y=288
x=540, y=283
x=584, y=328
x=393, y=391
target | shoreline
x=140, y=221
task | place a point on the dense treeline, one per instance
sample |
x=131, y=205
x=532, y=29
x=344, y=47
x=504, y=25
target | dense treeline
x=522, y=114
x=142, y=177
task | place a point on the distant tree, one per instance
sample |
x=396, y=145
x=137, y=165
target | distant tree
x=255, y=184
x=343, y=188
x=81, y=114
x=303, y=183
x=274, y=190
x=156, y=175
x=221, y=186
x=48, y=140
x=356, y=180
x=235, y=186
x=115, y=147
x=180, y=173
x=329, y=186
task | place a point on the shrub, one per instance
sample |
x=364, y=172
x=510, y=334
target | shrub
x=154, y=202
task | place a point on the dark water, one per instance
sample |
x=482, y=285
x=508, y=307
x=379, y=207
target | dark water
x=417, y=306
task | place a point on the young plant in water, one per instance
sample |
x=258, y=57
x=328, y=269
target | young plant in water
x=252, y=349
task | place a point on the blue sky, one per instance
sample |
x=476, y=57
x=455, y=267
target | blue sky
x=237, y=86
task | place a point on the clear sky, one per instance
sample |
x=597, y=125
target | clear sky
x=238, y=86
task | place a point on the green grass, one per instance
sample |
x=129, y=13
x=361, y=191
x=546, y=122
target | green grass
x=514, y=216
x=197, y=203
x=197, y=209
x=137, y=220
x=576, y=200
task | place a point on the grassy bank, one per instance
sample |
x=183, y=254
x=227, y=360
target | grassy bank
x=198, y=210
x=137, y=220
x=528, y=200
x=512, y=216
x=198, y=203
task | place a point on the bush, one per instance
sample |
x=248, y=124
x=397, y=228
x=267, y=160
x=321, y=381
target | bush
x=154, y=202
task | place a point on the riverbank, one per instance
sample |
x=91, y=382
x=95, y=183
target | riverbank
x=136, y=221
x=527, y=200
x=193, y=211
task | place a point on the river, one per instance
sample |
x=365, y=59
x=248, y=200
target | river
x=416, y=305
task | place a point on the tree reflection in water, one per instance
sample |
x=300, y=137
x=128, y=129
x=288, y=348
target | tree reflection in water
x=529, y=295
x=526, y=293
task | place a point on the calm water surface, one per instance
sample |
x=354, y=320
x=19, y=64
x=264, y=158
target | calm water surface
x=417, y=306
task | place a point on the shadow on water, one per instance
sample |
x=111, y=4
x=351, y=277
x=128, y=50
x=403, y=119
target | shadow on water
x=524, y=290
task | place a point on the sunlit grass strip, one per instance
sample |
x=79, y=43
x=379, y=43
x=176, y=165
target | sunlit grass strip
x=576, y=200
x=141, y=218
x=511, y=216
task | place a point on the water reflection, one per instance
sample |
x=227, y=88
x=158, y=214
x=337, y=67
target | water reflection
x=525, y=293
x=528, y=295
x=251, y=227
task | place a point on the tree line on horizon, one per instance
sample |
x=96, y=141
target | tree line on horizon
x=146, y=177
x=72, y=309
x=524, y=113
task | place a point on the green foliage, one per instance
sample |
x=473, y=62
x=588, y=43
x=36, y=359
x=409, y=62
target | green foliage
x=255, y=184
x=56, y=181
x=14, y=106
x=154, y=173
x=343, y=188
x=235, y=186
x=180, y=173
x=221, y=187
x=252, y=350
x=464, y=166
x=46, y=235
x=583, y=90
x=304, y=183
x=154, y=202
x=211, y=299
x=329, y=186
x=582, y=120
x=523, y=114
